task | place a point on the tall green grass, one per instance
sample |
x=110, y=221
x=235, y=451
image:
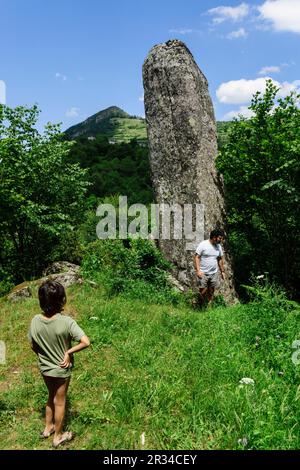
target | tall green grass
x=165, y=370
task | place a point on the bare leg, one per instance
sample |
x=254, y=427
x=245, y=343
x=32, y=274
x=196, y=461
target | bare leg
x=60, y=406
x=210, y=295
x=49, y=415
x=56, y=405
x=202, y=295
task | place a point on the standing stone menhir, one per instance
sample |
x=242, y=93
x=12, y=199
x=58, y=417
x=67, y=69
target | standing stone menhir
x=183, y=146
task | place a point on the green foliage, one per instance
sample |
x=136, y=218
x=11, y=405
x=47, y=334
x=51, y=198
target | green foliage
x=116, y=263
x=87, y=229
x=41, y=195
x=223, y=129
x=158, y=293
x=69, y=247
x=271, y=324
x=260, y=165
x=6, y=282
x=121, y=168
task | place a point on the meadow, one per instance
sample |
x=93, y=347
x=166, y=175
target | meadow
x=159, y=375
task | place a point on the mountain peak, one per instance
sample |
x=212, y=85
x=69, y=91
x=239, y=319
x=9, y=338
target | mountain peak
x=99, y=123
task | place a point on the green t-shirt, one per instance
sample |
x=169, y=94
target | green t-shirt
x=53, y=337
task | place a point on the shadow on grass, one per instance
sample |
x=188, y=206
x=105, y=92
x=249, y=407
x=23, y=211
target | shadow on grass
x=4, y=407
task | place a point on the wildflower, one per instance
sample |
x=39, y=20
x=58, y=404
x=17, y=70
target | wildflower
x=243, y=442
x=246, y=381
x=257, y=340
x=261, y=276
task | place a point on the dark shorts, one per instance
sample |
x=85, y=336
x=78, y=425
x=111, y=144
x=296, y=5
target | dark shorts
x=207, y=280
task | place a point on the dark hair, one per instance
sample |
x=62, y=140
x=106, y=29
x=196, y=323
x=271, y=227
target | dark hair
x=216, y=233
x=52, y=297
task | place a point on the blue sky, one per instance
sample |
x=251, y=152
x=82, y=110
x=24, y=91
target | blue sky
x=74, y=58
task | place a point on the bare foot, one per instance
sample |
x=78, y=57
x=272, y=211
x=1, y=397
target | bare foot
x=47, y=432
x=65, y=437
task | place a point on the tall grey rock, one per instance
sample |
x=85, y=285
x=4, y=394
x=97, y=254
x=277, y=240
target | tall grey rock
x=183, y=146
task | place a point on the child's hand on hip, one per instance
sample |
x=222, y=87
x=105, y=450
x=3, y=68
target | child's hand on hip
x=66, y=361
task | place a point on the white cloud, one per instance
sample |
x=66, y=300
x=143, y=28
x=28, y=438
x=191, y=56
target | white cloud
x=286, y=88
x=184, y=31
x=2, y=92
x=284, y=15
x=289, y=64
x=240, y=33
x=242, y=91
x=61, y=76
x=269, y=69
x=72, y=112
x=242, y=111
x=141, y=98
x=224, y=13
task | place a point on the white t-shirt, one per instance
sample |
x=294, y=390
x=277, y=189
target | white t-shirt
x=209, y=255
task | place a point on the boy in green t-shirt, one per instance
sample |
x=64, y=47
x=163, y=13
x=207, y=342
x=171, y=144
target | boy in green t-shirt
x=51, y=334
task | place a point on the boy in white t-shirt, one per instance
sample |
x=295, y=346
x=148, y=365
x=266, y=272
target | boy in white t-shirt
x=208, y=260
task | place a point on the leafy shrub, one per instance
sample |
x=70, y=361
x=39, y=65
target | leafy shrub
x=115, y=263
x=271, y=325
x=41, y=195
x=6, y=283
x=139, y=289
x=260, y=166
x=69, y=248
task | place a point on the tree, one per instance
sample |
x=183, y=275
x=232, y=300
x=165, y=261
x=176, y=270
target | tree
x=41, y=195
x=120, y=168
x=260, y=165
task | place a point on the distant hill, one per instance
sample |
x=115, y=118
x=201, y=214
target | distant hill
x=113, y=122
x=119, y=127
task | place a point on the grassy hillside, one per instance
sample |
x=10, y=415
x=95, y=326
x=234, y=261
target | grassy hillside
x=167, y=371
x=126, y=129
x=119, y=127
x=113, y=122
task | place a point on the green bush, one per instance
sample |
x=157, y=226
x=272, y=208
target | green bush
x=271, y=325
x=42, y=196
x=134, y=289
x=117, y=263
x=261, y=171
x=6, y=283
x=69, y=248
